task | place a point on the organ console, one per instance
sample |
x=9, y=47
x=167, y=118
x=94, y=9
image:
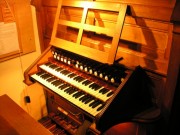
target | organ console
x=88, y=81
x=91, y=94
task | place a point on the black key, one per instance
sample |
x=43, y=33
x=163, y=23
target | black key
x=48, y=63
x=103, y=90
x=65, y=72
x=68, y=89
x=88, y=100
x=86, y=82
x=75, y=94
x=78, y=94
x=57, y=82
x=99, y=108
x=78, y=78
x=71, y=75
x=45, y=76
x=59, y=69
x=94, y=86
x=91, y=104
x=96, y=104
x=72, y=91
x=110, y=93
x=85, y=98
x=40, y=73
x=75, y=78
x=81, y=79
x=80, y=99
x=63, y=86
x=97, y=87
x=53, y=66
x=50, y=79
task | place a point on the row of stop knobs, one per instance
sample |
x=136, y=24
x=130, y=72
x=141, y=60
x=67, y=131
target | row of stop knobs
x=106, y=72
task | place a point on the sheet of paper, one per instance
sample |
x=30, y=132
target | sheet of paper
x=8, y=38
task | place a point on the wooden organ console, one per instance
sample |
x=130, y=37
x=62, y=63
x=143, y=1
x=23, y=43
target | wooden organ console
x=106, y=62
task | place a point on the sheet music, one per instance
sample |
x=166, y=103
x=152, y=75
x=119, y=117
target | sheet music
x=8, y=38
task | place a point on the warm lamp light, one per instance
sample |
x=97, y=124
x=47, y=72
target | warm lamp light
x=87, y=4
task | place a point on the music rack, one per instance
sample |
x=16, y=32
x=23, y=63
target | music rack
x=88, y=24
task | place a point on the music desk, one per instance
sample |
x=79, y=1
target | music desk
x=15, y=121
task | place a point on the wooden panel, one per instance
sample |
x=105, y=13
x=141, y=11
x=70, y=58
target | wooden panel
x=157, y=13
x=133, y=58
x=175, y=16
x=152, y=9
x=173, y=69
x=152, y=38
x=24, y=27
x=15, y=121
x=158, y=88
x=33, y=68
x=159, y=3
x=49, y=18
x=110, y=19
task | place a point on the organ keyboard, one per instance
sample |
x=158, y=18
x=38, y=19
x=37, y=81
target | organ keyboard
x=84, y=91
